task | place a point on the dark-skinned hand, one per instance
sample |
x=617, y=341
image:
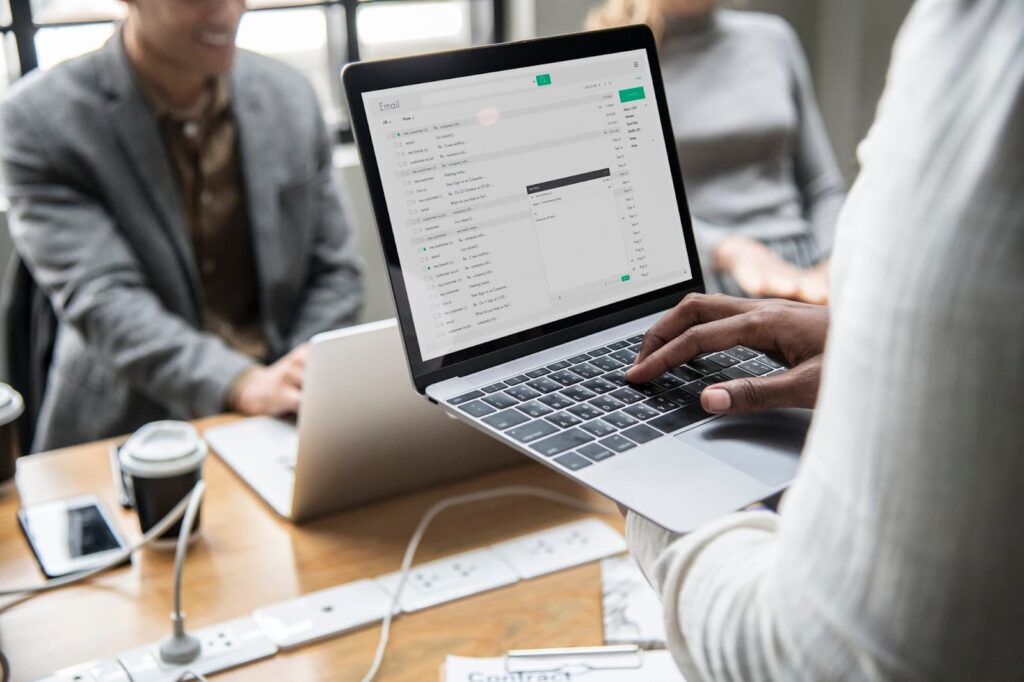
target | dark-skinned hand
x=793, y=333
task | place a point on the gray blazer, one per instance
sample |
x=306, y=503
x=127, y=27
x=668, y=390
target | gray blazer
x=97, y=217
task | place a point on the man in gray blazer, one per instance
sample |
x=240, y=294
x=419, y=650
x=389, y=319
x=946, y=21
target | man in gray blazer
x=175, y=202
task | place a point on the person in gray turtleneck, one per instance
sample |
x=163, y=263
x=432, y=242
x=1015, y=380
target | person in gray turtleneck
x=762, y=182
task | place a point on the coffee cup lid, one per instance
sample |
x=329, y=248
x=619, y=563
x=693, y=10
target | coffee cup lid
x=11, y=404
x=163, y=449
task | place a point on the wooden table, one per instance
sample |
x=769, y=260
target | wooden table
x=248, y=557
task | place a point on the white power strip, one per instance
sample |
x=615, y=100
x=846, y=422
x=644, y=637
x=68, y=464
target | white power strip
x=300, y=621
x=451, y=578
x=347, y=607
x=323, y=614
x=226, y=645
x=559, y=548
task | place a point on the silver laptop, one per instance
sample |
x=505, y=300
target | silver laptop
x=534, y=221
x=362, y=434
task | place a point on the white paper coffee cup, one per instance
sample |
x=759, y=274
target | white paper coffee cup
x=11, y=407
x=163, y=462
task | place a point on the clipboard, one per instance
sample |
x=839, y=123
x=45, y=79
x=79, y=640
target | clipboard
x=626, y=663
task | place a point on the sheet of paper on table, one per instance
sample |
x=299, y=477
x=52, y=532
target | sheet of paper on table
x=631, y=607
x=655, y=666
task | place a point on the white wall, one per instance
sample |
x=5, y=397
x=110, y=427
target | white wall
x=851, y=50
x=378, y=304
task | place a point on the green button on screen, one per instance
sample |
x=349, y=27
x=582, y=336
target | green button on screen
x=631, y=94
x=544, y=79
x=625, y=278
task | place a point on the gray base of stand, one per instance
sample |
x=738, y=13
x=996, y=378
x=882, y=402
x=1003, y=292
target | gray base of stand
x=180, y=649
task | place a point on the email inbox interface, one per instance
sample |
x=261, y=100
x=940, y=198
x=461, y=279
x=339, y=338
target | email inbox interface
x=525, y=196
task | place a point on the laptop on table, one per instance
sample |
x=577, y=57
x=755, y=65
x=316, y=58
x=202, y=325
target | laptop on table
x=534, y=223
x=362, y=434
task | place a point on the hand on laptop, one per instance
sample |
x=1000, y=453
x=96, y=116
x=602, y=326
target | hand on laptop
x=274, y=390
x=793, y=332
x=763, y=274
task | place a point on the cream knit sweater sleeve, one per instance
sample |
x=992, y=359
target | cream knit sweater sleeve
x=899, y=552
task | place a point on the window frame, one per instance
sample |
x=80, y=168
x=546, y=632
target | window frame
x=339, y=33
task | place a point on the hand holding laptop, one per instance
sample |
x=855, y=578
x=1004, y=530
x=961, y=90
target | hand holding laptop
x=520, y=323
x=794, y=332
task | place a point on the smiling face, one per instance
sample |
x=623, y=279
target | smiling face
x=194, y=36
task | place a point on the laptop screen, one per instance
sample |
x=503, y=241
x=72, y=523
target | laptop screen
x=525, y=196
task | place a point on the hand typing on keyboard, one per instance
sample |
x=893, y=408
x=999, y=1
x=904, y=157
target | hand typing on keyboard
x=701, y=324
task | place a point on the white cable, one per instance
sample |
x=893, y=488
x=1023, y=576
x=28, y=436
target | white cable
x=177, y=617
x=421, y=529
x=122, y=666
x=183, y=537
x=188, y=674
x=156, y=531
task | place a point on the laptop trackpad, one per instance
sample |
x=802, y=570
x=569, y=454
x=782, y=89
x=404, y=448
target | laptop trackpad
x=764, y=446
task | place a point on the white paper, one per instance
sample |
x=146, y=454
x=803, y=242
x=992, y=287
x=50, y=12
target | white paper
x=658, y=666
x=632, y=609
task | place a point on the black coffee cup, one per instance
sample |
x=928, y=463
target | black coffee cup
x=11, y=407
x=162, y=462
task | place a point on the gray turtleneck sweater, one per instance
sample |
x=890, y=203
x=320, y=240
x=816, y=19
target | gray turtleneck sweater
x=755, y=157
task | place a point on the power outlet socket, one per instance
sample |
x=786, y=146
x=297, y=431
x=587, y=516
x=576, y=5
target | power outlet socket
x=451, y=578
x=227, y=645
x=561, y=547
x=219, y=643
x=323, y=614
